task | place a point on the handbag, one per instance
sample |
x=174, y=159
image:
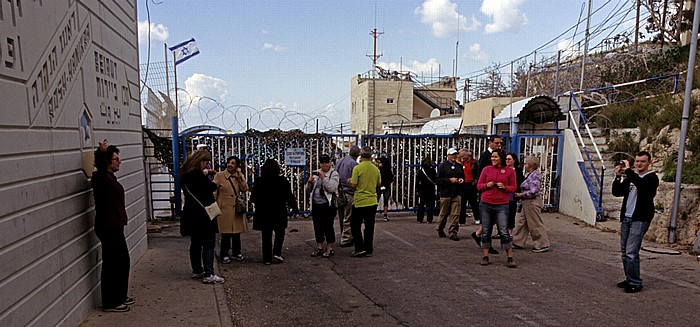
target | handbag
x=212, y=210
x=240, y=206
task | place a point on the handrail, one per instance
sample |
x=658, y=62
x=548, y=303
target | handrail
x=599, y=179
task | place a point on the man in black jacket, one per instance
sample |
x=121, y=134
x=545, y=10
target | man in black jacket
x=449, y=177
x=638, y=189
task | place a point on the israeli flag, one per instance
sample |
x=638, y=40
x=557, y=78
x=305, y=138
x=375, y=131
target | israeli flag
x=184, y=51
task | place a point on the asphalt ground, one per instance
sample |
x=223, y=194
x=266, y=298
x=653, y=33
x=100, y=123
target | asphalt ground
x=414, y=278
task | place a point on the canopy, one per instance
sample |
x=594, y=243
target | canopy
x=535, y=110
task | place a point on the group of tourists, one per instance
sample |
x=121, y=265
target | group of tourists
x=495, y=187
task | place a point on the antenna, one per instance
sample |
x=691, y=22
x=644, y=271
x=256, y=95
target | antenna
x=375, y=34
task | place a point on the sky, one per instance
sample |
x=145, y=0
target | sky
x=288, y=64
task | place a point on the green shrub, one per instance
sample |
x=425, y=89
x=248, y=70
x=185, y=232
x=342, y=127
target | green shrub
x=691, y=170
x=623, y=147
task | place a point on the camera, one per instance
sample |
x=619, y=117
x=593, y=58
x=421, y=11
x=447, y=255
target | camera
x=620, y=163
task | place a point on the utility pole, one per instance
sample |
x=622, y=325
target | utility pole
x=585, y=46
x=371, y=112
x=684, y=127
x=663, y=23
x=636, y=30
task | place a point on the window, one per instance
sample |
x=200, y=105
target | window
x=389, y=100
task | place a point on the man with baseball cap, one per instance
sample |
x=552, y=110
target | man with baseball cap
x=450, y=175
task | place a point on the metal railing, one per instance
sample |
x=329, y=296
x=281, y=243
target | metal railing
x=598, y=178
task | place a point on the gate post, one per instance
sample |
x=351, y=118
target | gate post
x=176, y=165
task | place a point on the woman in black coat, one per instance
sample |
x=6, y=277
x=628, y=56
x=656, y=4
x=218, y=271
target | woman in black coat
x=425, y=187
x=110, y=219
x=195, y=222
x=271, y=195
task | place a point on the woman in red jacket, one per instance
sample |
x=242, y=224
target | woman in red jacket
x=496, y=183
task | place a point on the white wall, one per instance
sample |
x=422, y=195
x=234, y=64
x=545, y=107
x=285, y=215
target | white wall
x=68, y=77
x=575, y=200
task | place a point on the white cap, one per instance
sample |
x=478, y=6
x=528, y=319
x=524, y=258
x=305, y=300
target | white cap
x=201, y=146
x=451, y=151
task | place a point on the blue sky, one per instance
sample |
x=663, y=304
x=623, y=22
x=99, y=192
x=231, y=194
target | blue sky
x=293, y=60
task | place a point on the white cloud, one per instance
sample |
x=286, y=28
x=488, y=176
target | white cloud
x=159, y=32
x=206, y=86
x=275, y=47
x=505, y=14
x=442, y=16
x=567, y=48
x=477, y=54
x=432, y=66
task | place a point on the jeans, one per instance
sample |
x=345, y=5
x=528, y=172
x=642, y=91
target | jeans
x=267, y=248
x=468, y=194
x=363, y=215
x=631, y=235
x=115, y=266
x=230, y=242
x=202, y=253
x=426, y=204
x=499, y=214
x=323, y=216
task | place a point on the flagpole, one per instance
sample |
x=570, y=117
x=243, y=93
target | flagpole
x=176, y=102
x=167, y=79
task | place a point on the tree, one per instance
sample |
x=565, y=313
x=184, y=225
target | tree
x=667, y=20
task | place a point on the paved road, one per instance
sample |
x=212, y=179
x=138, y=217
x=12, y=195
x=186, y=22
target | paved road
x=416, y=278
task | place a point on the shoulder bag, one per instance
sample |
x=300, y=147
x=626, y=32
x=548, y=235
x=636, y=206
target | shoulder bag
x=212, y=209
x=240, y=206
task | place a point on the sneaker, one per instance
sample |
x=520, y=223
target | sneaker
x=511, y=263
x=386, y=218
x=633, y=288
x=441, y=233
x=420, y=222
x=225, y=260
x=622, y=284
x=357, y=254
x=267, y=263
x=129, y=301
x=317, y=253
x=484, y=261
x=277, y=259
x=197, y=275
x=454, y=237
x=213, y=279
x=540, y=250
x=240, y=257
x=328, y=254
x=119, y=308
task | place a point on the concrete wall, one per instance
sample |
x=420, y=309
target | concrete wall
x=574, y=200
x=68, y=77
x=367, y=94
